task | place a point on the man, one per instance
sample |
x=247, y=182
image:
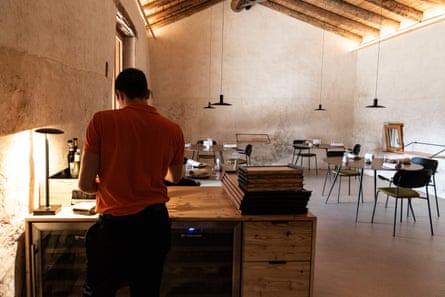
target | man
x=127, y=154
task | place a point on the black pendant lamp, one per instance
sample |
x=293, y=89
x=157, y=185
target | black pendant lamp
x=209, y=106
x=375, y=101
x=375, y=104
x=221, y=101
x=320, y=106
x=221, y=96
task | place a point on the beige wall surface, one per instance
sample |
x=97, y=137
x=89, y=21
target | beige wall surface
x=52, y=63
x=411, y=86
x=53, y=74
x=271, y=74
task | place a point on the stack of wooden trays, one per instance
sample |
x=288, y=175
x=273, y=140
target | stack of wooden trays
x=268, y=190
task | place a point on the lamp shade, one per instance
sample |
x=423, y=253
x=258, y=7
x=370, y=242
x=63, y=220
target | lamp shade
x=375, y=104
x=320, y=108
x=221, y=101
x=48, y=131
x=209, y=106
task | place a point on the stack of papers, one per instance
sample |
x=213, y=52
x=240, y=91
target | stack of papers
x=85, y=208
x=199, y=173
x=194, y=163
x=230, y=145
x=337, y=144
x=389, y=165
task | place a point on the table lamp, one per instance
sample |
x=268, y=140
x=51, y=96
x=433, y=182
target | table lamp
x=47, y=209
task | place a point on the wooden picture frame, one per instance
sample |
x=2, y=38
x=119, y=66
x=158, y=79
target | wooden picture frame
x=394, y=137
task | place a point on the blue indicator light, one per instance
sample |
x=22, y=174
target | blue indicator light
x=191, y=230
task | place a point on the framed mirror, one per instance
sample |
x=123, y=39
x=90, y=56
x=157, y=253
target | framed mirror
x=394, y=137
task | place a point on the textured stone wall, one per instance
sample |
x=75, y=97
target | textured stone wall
x=53, y=74
x=272, y=74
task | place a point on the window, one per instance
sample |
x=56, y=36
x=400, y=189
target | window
x=123, y=46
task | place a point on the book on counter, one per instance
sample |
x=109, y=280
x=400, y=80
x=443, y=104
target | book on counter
x=84, y=208
x=270, y=178
x=268, y=190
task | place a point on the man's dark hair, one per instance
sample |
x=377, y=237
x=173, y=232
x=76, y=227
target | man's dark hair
x=133, y=83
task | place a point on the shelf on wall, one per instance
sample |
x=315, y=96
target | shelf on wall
x=435, y=155
x=253, y=138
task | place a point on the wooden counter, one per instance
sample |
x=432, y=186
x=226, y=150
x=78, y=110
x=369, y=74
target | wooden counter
x=276, y=252
x=201, y=203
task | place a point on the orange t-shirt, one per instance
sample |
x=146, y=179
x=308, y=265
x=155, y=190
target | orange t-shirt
x=136, y=146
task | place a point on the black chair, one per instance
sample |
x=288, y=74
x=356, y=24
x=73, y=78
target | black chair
x=344, y=172
x=405, y=181
x=247, y=152
x=427, y=163
x=302, y=150
x=329, y=154
x=356, y=149
x=203, y=154
x=431, y=164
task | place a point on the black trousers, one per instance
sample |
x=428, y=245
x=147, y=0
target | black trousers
x=129, y=249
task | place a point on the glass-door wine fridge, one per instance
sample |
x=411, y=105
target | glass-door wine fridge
x=204, y=259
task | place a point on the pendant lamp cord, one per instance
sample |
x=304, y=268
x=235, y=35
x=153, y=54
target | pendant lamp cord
x=210, y=51
x=322, y=65
x=222, y=47
x=378, y=51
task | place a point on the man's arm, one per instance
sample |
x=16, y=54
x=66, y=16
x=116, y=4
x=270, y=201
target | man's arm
x=89, y=168
x=174, y=173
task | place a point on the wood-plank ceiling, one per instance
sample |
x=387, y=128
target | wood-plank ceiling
x=357, y=20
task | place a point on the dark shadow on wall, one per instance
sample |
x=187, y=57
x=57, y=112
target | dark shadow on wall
x=20, y=268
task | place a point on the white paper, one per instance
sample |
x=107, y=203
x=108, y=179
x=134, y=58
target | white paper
x=87, y=207
x=389, y=165
x=230, y=145
x=193, y=163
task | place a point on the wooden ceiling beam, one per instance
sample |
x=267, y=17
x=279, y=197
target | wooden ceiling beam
x=353, y=19
x=441, y=2
x=327, y=18
x=312, y=20
x=394, y=7
x=181, y=9
x=163, y=8
x=356, y=13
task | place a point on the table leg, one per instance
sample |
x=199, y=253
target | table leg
x=375, y=185
x=360, y=189
x=375, y=196
x=333, y=183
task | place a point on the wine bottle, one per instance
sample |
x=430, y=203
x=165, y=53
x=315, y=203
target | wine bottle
x=70, y=154
x=76, y=164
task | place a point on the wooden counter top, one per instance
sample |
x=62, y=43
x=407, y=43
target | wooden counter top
x=188, y=203
x=201, y=203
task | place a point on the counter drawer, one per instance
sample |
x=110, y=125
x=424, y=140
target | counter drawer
x=277, y=241
x=268, y=279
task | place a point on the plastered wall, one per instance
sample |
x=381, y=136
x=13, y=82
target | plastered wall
x=52, y=73
x=271, y=73
x=53, y=57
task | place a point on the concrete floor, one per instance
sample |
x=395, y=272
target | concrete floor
x=363, y=259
